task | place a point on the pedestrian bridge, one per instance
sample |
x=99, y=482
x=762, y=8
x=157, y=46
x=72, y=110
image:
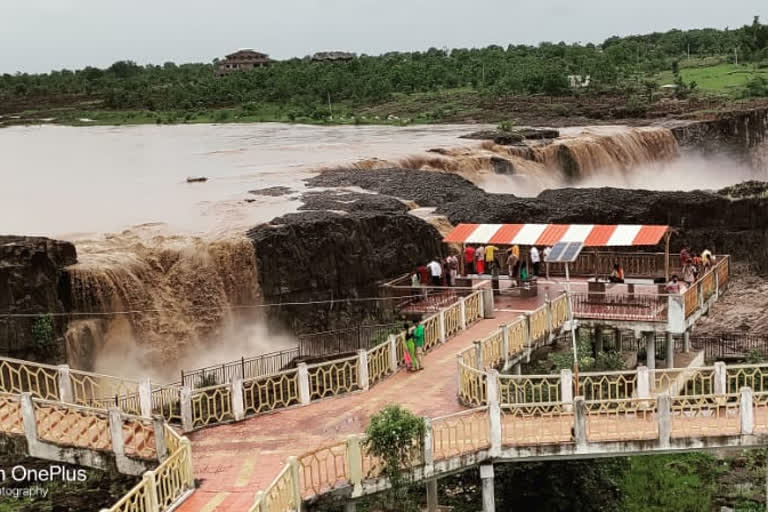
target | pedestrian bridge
x=287, y=438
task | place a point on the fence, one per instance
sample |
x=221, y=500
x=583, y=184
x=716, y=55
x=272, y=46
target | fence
x=251, y=367
x=341, y=341
x=650, y=308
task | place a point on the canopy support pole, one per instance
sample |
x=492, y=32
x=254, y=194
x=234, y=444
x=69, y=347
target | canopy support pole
x=667, y=236
x=597, y=265
x=461, y=259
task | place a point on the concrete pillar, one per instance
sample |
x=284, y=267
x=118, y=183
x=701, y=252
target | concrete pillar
x=362, y=369
x=580, y=423
x=550, y=330
x=393, y=362
x=185, y=395
x=664, y=416
x=145, y=397
x=462, y=314
x=64, y=380
x=489, y=499
x=238, y=402
x=650, y=350
x=479, y=354
x=304, y=396
x=441, y=321
x=158, y=425
x=428, y=454
x=293, y=464
x=517, y=369
x=720, y=378
x=670, y=351
x=116, y=432
x=505, y=345
x=566, y=389
x=355, y=465
x=687, y=341
x=432, y=501
x=643, y=382
x=150, y=484
x=488, y=309
x=494, y=411
x=746, y=411
x=30, y=422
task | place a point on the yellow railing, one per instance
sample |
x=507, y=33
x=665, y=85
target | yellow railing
x=687, y=381
x=472, y=388
x=697, y=416
x=18, y=376
x=754, y=377
x=493, y=349
x=535, y=424
x=452, y=318
x=459, y=434
x=165, y=485
x=270, y=392
x=11, y=421
x=723, y=272
x=431, y=332
x=333, y=378
x=559, y=310
x=104, y=391
x=212, y=405
x=691, y=299
x=621, y=420
x=607, y=385
x=379, y=363
x=529, y=389
x=472, y=307
x=139, y=437
x=708, y=285
x=518, y=336
x=323, y=469
x=539, y=327
x=166, y=402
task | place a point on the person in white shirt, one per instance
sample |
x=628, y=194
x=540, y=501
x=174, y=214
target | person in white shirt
x=547, y=250
x=436, y=272
x=535, y=260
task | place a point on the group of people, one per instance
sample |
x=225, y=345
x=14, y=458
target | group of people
x=484, y=260
x=692, y=265
x=414, y=347
x=438, y=272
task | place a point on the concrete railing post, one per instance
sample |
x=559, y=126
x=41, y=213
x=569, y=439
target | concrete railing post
x=293, y=464
x=355, y=465
x=185, y=394
x=746, y=411
x=428, y=453
x=720, y=378
x=393, y=362
x=486, y=477
x=643, y=382
x=150, y=496
x=580, y=423
x=145, y=397
x=566, y=389
x=529, y=337
x=717, y=283
x=670, y=350
x=64, y=380
x=432, y=501
x=441, y=320
x=479, y=354
x=664, y=415
x=550, y=332
x=494, y=411
x=158, y=425
x=116, y=432
x=304, y=396
x=687, y=341
x=258, y=502
x=487, y=303
x=362, y=369
x=238, y=402
x=505, y=344
x=650, y=350
x=462, y=313
x=675, y=313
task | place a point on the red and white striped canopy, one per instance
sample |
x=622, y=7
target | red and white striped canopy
x=591, y=235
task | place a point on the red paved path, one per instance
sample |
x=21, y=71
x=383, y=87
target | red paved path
x=234, y=461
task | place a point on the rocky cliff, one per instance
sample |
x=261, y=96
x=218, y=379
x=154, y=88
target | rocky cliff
x=32, y=283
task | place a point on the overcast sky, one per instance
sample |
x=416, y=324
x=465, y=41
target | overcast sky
x=40, y=35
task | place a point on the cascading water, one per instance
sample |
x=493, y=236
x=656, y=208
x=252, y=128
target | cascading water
x=157, y=302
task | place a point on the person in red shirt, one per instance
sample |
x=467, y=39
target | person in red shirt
x=423, y=275
x=469, y=260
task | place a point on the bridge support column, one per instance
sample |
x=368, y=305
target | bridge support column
x=362, y=369
x=432, y=501
x=489, y=498
x=670, y=351
x=720, y=378
x=566, y=389
x=462, y=314
x=505, y=345
x=185, y=397
x=580, y=423
x=494, y=412
x=687, y=341
x=650, y=350
x=746, y=411
x=238, y=402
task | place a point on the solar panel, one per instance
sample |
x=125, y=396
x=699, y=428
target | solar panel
x=565, y=252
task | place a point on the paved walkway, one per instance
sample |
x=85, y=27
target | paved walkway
x=234, y=461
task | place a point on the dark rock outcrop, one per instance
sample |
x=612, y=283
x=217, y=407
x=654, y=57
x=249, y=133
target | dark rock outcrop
x=33, y=282
x=323, y=256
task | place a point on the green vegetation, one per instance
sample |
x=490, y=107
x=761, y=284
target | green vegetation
x=43, y=332
x=429, y=86
x=395, y=436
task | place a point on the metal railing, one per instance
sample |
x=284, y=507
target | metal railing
x=611, y=306
x=346, y=340
x=244, y=368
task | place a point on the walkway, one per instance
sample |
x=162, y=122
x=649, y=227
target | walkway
x=233, y=461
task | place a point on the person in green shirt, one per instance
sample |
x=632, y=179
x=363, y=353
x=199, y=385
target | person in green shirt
x=418, y=339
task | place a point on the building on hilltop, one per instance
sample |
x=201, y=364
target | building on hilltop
x=242, y=60
x=333, y=56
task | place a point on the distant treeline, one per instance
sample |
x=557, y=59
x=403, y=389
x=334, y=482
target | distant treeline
x=369, y=79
